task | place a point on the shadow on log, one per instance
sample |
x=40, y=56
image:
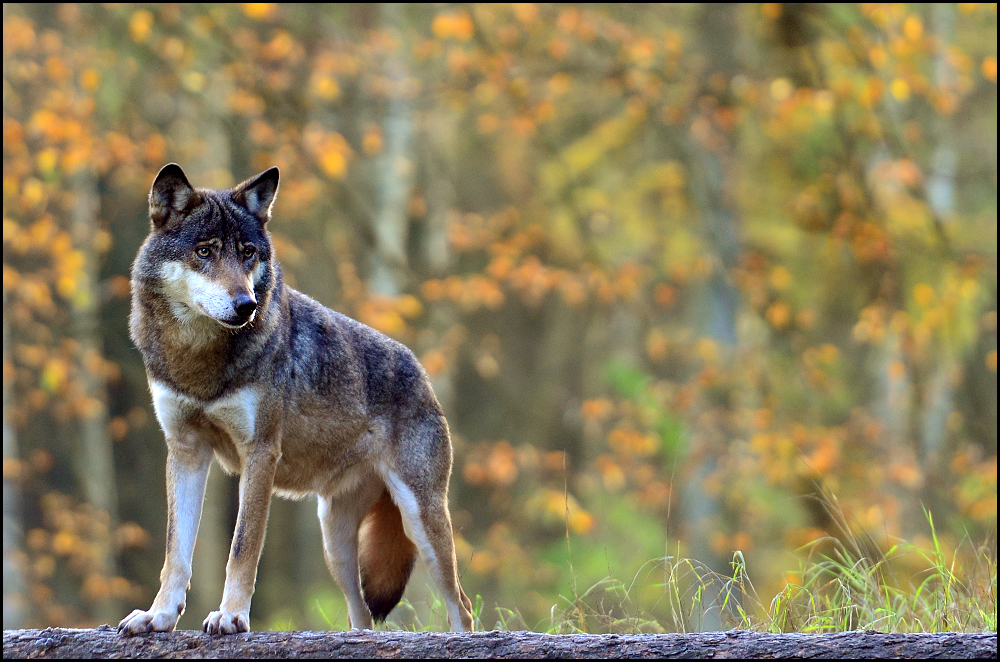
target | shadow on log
x=104, y=642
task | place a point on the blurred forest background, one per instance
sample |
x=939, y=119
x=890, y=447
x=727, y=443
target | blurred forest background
x=674, y=270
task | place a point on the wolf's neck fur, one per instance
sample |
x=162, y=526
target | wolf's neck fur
x=192, y=352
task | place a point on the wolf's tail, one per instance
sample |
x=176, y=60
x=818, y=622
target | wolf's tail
x=386, y=557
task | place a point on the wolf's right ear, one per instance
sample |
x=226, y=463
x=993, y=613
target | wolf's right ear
x=170, y=196
x=257, y=194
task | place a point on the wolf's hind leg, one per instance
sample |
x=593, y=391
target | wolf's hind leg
x=428, y=524
x=340, y=517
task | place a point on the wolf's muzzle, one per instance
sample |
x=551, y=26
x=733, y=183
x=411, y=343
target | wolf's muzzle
x=245, y=305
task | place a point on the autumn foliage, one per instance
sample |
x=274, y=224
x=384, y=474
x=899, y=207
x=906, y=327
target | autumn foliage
x=682, y=275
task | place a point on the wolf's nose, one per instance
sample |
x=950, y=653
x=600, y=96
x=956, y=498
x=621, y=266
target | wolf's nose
x=245, y=305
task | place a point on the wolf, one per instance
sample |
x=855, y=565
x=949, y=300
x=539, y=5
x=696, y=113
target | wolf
x=295, y=398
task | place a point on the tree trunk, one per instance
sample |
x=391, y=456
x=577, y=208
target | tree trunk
x=14, y=604
x=94, y=461
x=713, y=164
x=396, y=171
x=711, y=160
x=104, y=642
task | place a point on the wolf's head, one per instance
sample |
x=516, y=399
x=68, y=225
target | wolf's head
x=208, y=251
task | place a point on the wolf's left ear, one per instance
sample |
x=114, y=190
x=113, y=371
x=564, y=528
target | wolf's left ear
x=171, y=196
x=257, y=194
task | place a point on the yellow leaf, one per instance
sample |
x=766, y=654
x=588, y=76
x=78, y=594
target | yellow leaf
x=707, y=350
x=193, y=81
x=260, y=10
x=923, y=295
x=409, y=306
x=781, y=278
x=54, y=375
x=913, y=28
x=900, y=89
x=771, y=10
x=33, y=192
x=90, y=79
x=526, y=12
x=990, y=68
x=581, y=522
x=140, y=24
x=334, y=164
x=779, y=314
x=47, y=159
x=453, y=25
x=325, y=87
x=781, y=89
x=66, y=286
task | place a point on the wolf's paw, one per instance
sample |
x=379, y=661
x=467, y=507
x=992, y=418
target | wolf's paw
x=221, y=622
x=140, y=622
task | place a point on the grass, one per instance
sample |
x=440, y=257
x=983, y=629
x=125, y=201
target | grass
x=841, y=584
x=843, y=590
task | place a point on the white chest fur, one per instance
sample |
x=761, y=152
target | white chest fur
x=235, y=413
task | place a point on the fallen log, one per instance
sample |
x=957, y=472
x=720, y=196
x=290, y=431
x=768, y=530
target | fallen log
x=105, y=642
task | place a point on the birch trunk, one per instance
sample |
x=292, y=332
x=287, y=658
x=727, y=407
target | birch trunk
x=94, y=461
x=13, y=530
x=396, y=171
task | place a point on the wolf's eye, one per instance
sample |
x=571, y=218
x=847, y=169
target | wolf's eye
x=203, y=251
x=249, y=252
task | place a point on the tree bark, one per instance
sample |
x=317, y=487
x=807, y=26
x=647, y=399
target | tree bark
x=104, y=642
x=14, y=604
x=396, y=170
x=93, y=456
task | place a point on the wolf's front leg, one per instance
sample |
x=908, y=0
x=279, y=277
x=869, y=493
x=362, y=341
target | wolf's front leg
x=187, y=473
x=248, y=540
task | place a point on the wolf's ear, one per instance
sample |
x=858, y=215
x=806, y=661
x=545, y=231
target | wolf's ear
x=171, y=195
x=257, y=194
